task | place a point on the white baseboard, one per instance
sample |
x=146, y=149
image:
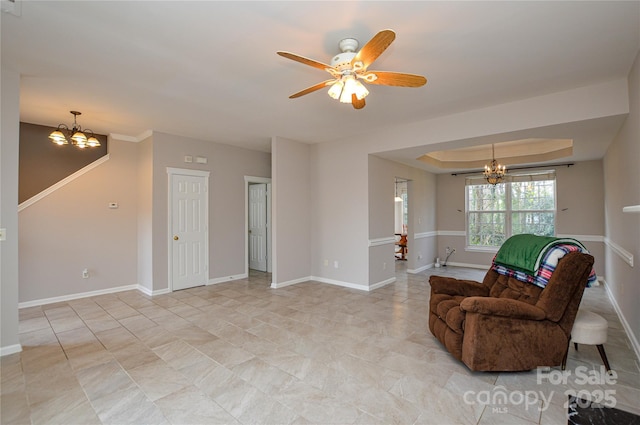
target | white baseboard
x=334, y=282
x=10, y=349
x=381, y=284
x=341, y=283
x=277, y=285
x=420, y=269
x=76, y=296
x=152, y=293
x=627, y=328
x=224, y=279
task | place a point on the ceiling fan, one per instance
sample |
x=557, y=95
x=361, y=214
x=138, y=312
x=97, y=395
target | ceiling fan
x=348, y=68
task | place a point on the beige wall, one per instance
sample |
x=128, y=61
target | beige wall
x=421, y=241
x=227, y=166
x=42, y=163
x=580, y=198
x=622, y=188
x=10, y=119
x=73, y=228
x=145, y=213
x=422, y=218
x=340, y=182
x=340, y=213
x=339, y=207
x=580, y=193
x=292, y=213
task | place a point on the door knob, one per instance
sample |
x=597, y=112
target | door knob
x=175, y=238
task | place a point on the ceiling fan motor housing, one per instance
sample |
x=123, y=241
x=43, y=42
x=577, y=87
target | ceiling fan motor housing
x=342, y=61
x=348, y=45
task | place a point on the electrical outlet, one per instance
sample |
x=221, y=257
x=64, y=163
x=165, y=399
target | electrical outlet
x=85, y=274
x=447, y=251
x=384, y=266
x=336, y=264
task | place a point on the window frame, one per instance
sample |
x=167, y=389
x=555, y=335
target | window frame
x=545, y=175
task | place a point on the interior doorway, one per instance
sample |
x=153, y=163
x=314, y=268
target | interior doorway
x=258, y=224
x=401, y=219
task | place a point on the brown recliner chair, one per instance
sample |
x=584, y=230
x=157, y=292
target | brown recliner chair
x=503, y=324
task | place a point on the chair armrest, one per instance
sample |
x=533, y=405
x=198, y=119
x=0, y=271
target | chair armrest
x=452, y=286
x=504, y=307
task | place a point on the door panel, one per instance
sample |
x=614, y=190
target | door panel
x=258, y=227
x=189, y=231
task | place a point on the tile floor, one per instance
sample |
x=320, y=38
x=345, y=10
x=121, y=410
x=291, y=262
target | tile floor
x=242, y=353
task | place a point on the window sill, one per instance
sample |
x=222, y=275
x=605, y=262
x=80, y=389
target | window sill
x=490, y=249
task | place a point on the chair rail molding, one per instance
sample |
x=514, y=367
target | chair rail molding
x=382, y=241
x=626, y=256
x=631, y=209
x=425, y=235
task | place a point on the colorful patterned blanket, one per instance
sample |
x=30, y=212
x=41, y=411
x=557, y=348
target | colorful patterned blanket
x=546, y=267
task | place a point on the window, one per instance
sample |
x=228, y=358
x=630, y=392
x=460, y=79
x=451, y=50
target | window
x=524, y=203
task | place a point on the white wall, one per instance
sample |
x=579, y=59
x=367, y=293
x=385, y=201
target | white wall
x=291, y=219
x=622, y=188
x=10, y=119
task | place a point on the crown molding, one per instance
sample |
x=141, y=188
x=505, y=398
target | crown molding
x=134, y=139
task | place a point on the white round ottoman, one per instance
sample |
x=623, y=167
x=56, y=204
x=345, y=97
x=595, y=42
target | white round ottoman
x=590, y=328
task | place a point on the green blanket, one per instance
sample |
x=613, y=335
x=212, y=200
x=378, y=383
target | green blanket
x=525, y=252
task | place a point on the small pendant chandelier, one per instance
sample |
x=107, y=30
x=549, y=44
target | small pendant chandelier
x=75, y=134
x=495, y=172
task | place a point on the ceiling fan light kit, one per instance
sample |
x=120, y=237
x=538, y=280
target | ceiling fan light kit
x=75, y=134
x=348, y=68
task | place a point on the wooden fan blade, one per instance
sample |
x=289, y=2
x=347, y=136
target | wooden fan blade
x=312, y=89
x=397, y=79
x=357, y=103
x=306, y=61
x=374, y=48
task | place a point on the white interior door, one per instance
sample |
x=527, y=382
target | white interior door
x=258, y=227
x=189, y=230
